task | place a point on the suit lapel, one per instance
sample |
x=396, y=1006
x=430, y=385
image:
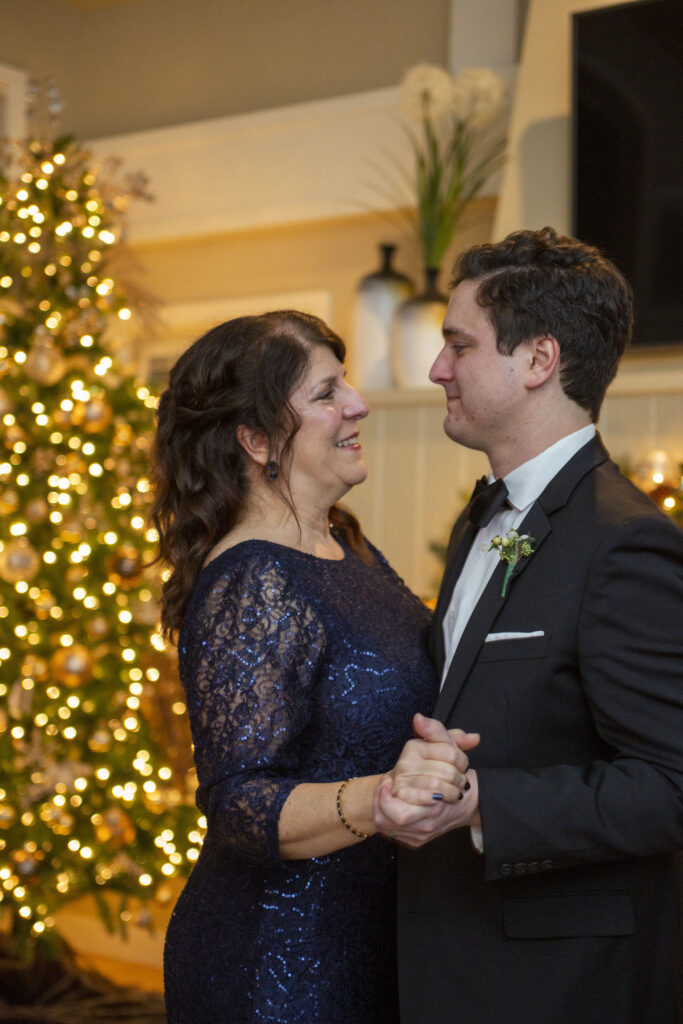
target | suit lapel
x=537, y=524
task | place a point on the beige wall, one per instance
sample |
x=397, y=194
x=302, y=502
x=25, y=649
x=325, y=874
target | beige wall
x=329, y=256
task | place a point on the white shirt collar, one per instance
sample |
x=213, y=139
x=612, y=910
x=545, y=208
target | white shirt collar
x=528, y=481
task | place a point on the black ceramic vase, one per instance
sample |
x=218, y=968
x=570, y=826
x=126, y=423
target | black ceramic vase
x=377, y=298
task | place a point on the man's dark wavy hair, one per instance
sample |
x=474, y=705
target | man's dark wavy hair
x=539, y=282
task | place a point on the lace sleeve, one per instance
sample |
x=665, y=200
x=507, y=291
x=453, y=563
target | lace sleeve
x=255, y=648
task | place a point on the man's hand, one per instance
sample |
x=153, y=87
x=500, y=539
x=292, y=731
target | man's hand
x=414, y=825
x=432, y=766
x=430, y=790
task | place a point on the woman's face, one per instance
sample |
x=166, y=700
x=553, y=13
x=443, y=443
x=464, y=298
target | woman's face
x=326, y=455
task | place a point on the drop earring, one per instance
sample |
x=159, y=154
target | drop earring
x=272, y=470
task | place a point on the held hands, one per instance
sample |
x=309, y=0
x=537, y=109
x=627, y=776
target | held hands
x=430, y=790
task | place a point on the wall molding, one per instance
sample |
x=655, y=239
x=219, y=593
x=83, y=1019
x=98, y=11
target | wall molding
x=306, y=162
x=309, y=161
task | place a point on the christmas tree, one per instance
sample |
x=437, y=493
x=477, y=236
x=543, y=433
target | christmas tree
x=89, y=801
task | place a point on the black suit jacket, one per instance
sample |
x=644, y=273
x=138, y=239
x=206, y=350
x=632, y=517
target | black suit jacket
x=569, y=916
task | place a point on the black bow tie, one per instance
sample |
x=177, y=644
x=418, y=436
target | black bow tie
x=486, y=500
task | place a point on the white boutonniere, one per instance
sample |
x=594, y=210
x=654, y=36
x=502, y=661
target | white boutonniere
x=510, y=549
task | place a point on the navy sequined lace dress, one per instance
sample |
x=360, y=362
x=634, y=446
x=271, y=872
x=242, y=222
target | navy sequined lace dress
x=296, y=669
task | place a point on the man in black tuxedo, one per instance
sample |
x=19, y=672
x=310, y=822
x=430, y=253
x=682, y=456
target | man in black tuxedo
x=546, y=895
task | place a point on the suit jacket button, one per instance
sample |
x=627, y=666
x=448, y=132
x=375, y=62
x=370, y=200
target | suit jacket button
x=546, y=865
x=519, y=869
x=506, y=869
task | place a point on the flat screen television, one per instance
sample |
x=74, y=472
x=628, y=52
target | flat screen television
x=627, y=153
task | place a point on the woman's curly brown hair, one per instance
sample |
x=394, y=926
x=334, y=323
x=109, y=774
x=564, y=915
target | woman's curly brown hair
x=240, y=372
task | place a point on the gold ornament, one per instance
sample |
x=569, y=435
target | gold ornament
x=60, y=821
x=164, y=894
x=6, y=403
x=62, y=417
x=9, y=306
x=43, y=460
x=100, y=741
x=9, y=503
x=122, y=864
x=36, y=510
x=35, y=668
x=144, y=918
x=7, y=816
x=45, y=363
x=92, y=416
x=19, y=701
x=97, y=627
x=146, y=613
x=74, y=463
x=44, y=603
x=75, y=573
x=19, y=561
x=73, y=665
x=124, y=567
x=123, y=434
x=114, y=828
x=71, y=531
x=162, y=798
x=12, y=435
x=27, y=865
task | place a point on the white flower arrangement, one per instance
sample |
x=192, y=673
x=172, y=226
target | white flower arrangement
x=511, y=548
x=445, y=115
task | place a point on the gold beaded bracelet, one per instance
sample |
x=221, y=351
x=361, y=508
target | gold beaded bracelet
x=342, y=817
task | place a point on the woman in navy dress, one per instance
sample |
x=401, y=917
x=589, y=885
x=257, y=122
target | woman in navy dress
x=302, y=656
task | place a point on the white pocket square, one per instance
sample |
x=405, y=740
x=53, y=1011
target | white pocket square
x=492, y=637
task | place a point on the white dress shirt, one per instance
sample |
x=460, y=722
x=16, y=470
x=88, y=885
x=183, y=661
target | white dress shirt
x=525, y=484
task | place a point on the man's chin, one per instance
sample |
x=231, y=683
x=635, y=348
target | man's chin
x=458, y=432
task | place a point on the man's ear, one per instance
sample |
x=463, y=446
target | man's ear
x=254, y=442
x=543, y=353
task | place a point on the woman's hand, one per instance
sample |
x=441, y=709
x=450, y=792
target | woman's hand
x=431, y=790
x=432, y=767
x=414, y=826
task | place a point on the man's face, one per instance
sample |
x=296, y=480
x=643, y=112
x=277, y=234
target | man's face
x=485, y=393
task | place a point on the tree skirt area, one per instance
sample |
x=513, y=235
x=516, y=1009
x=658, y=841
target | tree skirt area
x=50, y=991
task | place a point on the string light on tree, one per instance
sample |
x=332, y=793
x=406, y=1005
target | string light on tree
x=88, y=800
